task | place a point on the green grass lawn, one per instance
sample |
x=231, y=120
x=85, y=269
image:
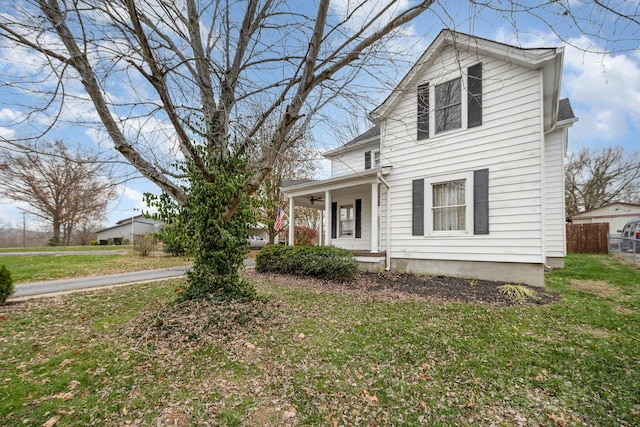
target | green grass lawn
x=35, y=268
x=129, y=356
x=69, y=248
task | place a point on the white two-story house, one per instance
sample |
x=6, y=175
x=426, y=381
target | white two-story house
x=462, y=173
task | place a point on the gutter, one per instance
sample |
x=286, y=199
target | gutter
x=388, y=250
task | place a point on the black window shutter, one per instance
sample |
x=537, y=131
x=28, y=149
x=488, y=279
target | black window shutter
x=418, y=208
x=358, y=218
x=367, y=160
x=423, y=111
x=481, y=201
x=334, y=220
x=474, y=100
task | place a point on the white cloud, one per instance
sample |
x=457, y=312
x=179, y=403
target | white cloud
x=604, y=88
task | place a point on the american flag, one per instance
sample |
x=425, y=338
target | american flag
x=278, y=224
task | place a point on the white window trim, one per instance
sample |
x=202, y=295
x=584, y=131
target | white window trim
x=375, y=161
x=468, y=200
x=464, y=106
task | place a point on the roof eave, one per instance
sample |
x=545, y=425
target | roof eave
x=530, y=58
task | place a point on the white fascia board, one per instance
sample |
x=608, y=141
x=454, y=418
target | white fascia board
x=333, y=183
x=529, y=58
x=346, y=149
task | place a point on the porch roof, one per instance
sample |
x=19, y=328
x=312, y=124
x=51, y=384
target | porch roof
x=304, y=193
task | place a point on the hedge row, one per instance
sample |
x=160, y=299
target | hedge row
x=323, y=262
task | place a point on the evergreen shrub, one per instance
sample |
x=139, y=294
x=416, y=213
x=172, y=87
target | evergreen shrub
x=6, y=284
x=322, y=262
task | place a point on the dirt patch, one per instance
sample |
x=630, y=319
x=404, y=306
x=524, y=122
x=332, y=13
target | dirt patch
x=391, y=285
x=594, y=287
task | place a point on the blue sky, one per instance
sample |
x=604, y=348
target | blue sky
x=604, y=89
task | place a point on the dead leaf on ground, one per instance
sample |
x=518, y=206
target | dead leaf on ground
x=63, y=395
x=65, y=362
x=371, y=399
x=52, y=421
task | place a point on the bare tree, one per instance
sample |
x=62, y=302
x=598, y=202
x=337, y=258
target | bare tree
x=181, y=59
x=599, y=177
x=171, y=83
x=148, y=67
x=64, y=188
x=297, y=164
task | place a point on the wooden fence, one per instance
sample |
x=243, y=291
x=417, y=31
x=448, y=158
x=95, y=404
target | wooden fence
x=588, y=238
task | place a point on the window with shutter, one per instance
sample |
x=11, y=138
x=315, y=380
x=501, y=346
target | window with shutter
x=367, y=160
x=455, y=204
x=481, y=201
x=474, y=97
x=423, y=111
x=417, y=220
x=358, y=218
x=334, y=220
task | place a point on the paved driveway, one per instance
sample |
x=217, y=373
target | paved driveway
x=22, y=290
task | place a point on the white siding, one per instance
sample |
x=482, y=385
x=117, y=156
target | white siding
x=508, y=143
x=352, y=161
x=554, y=208
x=348, y=197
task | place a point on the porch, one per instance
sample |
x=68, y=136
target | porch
x=350, y=213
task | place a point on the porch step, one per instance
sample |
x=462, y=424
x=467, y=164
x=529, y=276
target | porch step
x=365, y=253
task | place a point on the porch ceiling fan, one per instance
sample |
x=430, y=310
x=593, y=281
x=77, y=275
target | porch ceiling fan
x=313, y=199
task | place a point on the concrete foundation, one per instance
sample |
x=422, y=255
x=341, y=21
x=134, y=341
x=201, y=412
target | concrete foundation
x=555, y=263
x=529, y=274
x=371, y=264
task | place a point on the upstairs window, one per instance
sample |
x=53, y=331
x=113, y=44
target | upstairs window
x=448, y=109
x=367, y=159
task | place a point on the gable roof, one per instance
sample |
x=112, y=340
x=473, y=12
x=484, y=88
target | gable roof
x=591, y=211
x=548, y=59
x=371, y=135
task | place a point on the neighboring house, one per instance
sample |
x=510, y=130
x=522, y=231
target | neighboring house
x=127, y=228
x=616, y=214
x=462, y=173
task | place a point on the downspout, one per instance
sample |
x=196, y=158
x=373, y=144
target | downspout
x=388, y=251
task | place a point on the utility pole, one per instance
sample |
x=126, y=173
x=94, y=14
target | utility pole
x=133, y=216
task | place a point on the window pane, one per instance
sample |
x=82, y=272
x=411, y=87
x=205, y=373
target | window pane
x=447, y=219
x=346, y=220
x=448, y=106
x=448, y=93
x=448, y=118
x=449, y=206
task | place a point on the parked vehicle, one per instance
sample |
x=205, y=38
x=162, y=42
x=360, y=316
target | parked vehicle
x=256, y=242
x=630, y=236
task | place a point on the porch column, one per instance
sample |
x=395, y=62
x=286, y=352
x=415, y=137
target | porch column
x=321, y=229
x=291, y=221
x=375, y=246
x=327, y=218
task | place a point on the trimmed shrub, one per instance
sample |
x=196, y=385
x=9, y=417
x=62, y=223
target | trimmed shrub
x=323, y=262
x=6, y=284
